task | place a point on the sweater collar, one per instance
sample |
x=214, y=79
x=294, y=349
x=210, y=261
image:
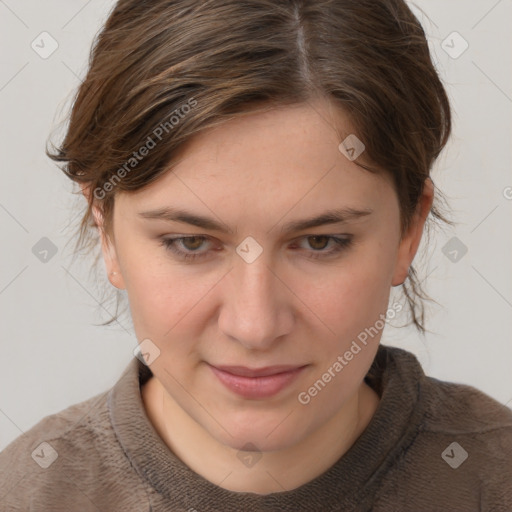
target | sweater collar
x=396, y=376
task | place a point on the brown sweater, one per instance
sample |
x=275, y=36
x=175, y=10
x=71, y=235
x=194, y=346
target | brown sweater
x=431, y=446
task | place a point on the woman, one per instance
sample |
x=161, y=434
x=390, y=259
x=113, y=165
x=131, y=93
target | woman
x=258, y=190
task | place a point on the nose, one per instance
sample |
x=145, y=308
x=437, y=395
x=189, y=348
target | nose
x=257, y=309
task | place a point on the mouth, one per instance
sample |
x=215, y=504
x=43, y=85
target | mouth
x=257, y=383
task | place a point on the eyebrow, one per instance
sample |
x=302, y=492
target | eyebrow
x=334, y=216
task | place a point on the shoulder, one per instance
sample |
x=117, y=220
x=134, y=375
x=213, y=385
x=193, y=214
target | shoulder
x=462, y=409
x=38, y=455
x=77, y=424
x=456, y=445
x=62, y=459
x=449, y=407
x=463, y=448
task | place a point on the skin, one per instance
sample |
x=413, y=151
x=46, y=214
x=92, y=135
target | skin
x=254, y=174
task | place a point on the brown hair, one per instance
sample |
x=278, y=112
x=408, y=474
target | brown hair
x=164, y=70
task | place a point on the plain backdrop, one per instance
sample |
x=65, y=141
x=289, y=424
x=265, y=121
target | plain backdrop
x=52, y=353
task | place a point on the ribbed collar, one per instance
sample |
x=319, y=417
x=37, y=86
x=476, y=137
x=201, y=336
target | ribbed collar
x=396, y=376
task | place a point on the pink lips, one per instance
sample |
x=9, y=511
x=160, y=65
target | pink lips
x=256, y=383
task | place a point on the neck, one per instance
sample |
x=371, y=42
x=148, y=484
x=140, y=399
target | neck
x=275, y=471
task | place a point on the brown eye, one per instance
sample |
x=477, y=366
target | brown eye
x=192, y=243
x=319, y=241
x=186, y=247
x=318, y=245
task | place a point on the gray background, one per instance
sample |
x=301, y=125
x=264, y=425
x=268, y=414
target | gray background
x=52, y=353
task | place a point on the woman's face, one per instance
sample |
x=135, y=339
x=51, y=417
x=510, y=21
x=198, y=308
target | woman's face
x=261, y=290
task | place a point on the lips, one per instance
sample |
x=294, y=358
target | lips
x=256, y=383
x=242, y=371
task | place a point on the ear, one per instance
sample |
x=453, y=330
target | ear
x=108, y=248
x=411, y=239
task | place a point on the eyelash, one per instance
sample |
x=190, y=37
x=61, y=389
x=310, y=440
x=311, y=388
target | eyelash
x=340, y=245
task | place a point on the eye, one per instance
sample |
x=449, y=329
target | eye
x=187, y=247
x=319, y=242
x=190, y=243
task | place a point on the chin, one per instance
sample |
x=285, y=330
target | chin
x=266, y=436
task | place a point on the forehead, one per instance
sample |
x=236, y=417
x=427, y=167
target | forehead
x=282, y=140
x=273, y=161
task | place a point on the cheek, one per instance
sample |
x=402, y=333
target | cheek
x=351, y=304
x=352, y=295
x=170, y=304
x=159, y=292
x=354, y=300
